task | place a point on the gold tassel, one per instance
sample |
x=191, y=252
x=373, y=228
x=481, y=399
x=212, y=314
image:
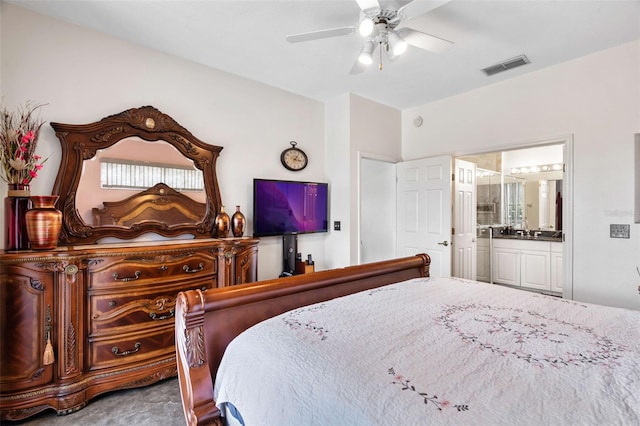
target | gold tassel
x=48, y=357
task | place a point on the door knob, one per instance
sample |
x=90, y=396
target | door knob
x=444, y=243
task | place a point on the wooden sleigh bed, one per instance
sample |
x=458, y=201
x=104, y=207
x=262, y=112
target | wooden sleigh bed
x=207, y=321
x=402, y=348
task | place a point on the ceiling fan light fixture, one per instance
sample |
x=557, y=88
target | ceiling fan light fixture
x=366, y=55
x=366, y=27
x=397, y=43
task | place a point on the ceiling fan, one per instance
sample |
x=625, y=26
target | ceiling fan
x=379, y=25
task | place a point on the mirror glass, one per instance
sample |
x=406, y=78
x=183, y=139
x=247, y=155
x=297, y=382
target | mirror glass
x=520, y=188
x=158, y=162
x=134, y=173
x=501, y=199
x=514, y=202
x=544, y=202
x=529, y=202
x=489, y=194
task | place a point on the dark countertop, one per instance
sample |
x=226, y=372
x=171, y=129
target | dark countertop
x=514, y=234
x=530, y=238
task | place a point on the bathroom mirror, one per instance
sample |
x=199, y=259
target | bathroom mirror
x=130, y=166
x=532, y=202
x=166, y=207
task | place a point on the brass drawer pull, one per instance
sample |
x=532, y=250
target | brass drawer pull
x=188, y=270
x=135, y=349
x=155, y=316
x=112, y=303
x=125, y=279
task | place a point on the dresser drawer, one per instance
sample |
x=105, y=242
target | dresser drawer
x=131, y=348
x=150, y=268
x=120, y=312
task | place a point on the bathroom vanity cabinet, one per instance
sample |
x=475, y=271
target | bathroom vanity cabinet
x=528, y=263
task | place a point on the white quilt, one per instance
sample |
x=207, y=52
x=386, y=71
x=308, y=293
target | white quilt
x=437, y=351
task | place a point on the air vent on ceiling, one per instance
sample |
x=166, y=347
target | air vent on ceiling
x=506, y=65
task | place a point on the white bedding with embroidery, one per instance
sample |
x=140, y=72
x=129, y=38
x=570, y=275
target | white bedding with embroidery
x=437, y=351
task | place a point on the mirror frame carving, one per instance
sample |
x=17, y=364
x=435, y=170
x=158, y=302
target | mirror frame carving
x=81, y=142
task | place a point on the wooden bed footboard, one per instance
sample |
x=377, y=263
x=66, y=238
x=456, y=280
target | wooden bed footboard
x=206, y=322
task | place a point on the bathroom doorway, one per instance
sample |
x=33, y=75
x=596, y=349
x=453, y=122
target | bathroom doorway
x=525, y=190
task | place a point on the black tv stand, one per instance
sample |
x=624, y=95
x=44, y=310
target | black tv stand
x=289, y=251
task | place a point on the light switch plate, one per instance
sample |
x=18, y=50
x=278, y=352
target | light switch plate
x=619, y=231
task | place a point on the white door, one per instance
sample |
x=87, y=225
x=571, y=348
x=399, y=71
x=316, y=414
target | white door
x=377, y=210
x=464, y=220
x=424, y=211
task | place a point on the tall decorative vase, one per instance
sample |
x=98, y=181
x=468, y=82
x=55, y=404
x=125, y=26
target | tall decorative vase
x=16, y=205
x=238, y=222
x=222, y=224
x=44, y=222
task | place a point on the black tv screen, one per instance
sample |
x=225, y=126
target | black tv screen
x=286, y=207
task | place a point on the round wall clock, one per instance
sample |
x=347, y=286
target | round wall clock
x=293, y=158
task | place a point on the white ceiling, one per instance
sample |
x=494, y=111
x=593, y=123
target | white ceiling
x=247, y=38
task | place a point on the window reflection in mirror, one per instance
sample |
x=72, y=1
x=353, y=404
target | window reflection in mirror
x=514, y=202
x=131, y=150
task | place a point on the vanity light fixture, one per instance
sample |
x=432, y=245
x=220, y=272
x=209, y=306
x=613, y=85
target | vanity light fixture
x=536, y=169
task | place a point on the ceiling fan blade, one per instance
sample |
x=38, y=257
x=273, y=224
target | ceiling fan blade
x=315, y=35
x=368, y=5
x=424, y=41
x=419, y=7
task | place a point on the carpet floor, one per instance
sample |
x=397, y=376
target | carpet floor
x=158, y=404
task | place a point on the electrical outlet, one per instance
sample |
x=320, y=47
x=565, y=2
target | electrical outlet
x=619, y=231
x=336, y=225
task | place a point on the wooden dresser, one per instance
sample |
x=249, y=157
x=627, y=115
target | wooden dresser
x=108, y=311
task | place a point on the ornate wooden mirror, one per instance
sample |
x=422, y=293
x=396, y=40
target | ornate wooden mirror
x=167, y=178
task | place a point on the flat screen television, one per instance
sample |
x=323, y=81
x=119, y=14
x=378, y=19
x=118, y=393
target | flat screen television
x=287, y=207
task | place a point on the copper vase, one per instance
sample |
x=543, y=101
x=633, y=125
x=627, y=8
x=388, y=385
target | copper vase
x=44, y=222
x=222, y=224
x=238, y=222
x=16, y=205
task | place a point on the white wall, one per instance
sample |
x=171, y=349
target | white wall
x=354, y=125
x=597, y=99
x=550, y=154
x=375, y=131
x=337, y=119
x=85, y=76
